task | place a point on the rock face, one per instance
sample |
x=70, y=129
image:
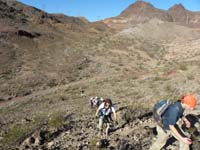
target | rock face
x=141, y=12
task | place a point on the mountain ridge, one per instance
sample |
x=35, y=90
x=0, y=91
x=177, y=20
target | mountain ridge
x=140, y=12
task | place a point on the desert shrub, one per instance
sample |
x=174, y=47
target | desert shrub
x=168, y=88
x=52, y=83
x=14, y=134
x=190, y=77
x=183, y=67
x=56, y=120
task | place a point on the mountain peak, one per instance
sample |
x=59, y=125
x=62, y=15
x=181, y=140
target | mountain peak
x=137, y=7
x=140, y=3
x=177, y=7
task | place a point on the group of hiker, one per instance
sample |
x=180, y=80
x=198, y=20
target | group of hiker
x=173, y=122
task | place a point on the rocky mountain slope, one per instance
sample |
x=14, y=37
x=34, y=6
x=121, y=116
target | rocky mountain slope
x=34, y=40
x=52, y=64
x=141, y=12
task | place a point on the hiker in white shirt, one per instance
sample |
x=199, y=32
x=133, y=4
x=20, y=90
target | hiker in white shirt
x=104, y=115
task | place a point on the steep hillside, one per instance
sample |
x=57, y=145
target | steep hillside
x=39, y=50
x=52, y=64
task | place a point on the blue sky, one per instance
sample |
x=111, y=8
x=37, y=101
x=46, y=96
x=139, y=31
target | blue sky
x=95, y=10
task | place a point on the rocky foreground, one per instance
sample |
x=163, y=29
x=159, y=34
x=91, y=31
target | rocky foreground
x=135, y=130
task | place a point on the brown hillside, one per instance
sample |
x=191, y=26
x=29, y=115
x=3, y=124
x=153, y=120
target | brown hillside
x=52, y=64
x=37, y=47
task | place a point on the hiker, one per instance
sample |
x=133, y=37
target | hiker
x=96, y=101
x=93, y=102
x=191, y=126
x=169, y=120
x=104, y=115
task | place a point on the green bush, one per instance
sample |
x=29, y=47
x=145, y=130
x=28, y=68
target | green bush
x=56, y=120
x=183, y=67
x=14, y=134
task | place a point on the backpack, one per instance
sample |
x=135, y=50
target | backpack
x=159, y=109
x=106, y=112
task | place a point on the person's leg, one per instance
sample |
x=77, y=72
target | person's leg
x=161, y=139
x=107, y=128
x=100, y=125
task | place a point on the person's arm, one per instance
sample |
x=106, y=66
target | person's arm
x=115, y=116
x=96, y=114
x=184, y=139
x=114, y=113
x=99, y=108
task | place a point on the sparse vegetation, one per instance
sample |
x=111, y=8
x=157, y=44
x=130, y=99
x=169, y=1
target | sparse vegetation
x=14, y=134
x=56, y=63
x=56, y=120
